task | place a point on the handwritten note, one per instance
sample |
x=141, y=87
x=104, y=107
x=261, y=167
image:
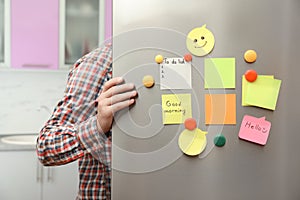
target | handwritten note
x=219, y=72
x=176, y=108
x=255, y=129
x=175, y=73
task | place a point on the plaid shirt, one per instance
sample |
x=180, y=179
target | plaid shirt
x=71, y=132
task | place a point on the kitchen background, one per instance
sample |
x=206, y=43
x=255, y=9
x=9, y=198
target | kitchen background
x=39, y=42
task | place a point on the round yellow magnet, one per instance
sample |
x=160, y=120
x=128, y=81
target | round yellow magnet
x=193, y=142
x=148, y=81
x=250, y=56
x=159, y=59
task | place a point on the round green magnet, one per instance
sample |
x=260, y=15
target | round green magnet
x=219, y=140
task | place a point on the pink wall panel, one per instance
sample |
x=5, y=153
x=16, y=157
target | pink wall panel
x=34, y=33
x=108, y=19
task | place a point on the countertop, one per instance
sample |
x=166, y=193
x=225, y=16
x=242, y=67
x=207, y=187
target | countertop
x=16, y=147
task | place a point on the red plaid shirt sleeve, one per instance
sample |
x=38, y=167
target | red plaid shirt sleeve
x=96, y=144
x=71, y=131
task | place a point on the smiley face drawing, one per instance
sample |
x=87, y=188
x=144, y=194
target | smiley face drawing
x=200, y=41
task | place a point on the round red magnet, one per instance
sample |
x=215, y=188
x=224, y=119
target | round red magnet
x=188, y=57
x=251, y=75
x=190, y=124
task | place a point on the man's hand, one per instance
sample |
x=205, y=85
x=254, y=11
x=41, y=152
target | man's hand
x=116, y=95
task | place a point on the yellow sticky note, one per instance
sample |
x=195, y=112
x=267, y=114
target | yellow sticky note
x=176, y=108
x=263, y=92
x=192, y=142
x=220, y=109
x=245, y=86
x=219, y=72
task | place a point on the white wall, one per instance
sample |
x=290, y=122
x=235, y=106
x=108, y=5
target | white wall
x=27, y=98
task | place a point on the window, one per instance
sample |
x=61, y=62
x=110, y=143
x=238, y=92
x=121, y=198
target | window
x=81, y=28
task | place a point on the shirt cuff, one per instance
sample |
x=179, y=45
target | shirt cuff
x=95, y=143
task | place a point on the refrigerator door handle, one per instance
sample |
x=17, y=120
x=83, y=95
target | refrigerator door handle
x=39, y=172
x=49, y=174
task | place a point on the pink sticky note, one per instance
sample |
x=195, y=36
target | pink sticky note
x=255, y=129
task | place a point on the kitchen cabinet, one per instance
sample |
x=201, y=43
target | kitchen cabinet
x=82, y=28
x=51, y=34
x=4, y=32
x=60, y=182
x=19, y=176
x=34, y=34
x=23, y=177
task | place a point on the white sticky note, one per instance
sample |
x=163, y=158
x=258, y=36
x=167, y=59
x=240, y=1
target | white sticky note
x=175, y=73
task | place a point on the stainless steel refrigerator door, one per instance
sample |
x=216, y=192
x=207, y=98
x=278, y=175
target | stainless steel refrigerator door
x=147, y=163
x=1, y=31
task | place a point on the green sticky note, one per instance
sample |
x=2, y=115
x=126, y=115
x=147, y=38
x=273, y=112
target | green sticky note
x=263, y=92
x=219, y=72
x=245, y=86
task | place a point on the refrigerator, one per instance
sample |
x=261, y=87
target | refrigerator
x=250, y=150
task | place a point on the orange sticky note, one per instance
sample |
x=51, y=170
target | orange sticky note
x=220, y=109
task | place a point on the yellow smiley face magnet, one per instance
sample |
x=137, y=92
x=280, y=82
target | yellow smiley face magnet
x=200, y=41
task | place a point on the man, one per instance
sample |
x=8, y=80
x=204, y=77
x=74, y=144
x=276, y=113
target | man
x=79, y=127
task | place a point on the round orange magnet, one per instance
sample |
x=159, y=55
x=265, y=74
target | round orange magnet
x=188, y=57
x=251, y=75
x=190, y=124
x=148, y=81
x=250, y=56
x=159, y=59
